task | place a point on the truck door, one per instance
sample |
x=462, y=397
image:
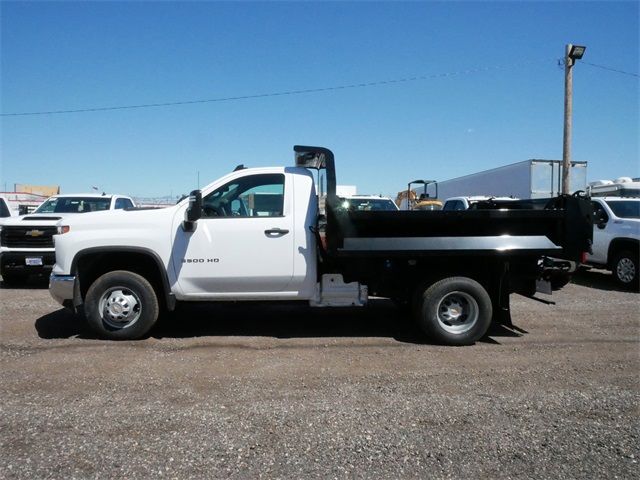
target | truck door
x=244, y=242
x=601, y=233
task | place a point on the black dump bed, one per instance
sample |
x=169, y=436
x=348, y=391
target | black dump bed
x=560, y=227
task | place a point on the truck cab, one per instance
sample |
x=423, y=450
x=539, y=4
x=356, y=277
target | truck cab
x=252, y=239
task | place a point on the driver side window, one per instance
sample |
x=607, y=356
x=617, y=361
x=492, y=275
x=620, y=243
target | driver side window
x=259, y=195
x=599, y=214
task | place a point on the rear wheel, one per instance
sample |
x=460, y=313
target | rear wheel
x=454, y=311
x=121, y=305
x=625, y=268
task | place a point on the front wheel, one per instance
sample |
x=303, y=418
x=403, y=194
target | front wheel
x=121, y=305
x=454, y=311
x=625, y=268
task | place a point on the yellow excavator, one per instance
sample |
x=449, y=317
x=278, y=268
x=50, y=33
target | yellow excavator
x=409, y=200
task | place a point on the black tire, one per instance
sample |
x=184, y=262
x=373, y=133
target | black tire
x=13, y=279
x=625, y=269
x=454, y=311
x=121, y=305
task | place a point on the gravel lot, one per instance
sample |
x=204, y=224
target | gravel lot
x=292, y=392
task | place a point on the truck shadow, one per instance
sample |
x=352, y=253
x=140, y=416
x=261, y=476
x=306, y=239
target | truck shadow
x=63, y=323
x=595, y=278
x=382, y=319
x=33, y=282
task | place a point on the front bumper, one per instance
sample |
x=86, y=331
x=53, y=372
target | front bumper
x=61, y=289
x=16, y=262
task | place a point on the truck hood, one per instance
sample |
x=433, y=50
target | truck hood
x=43, y=219
x=120, y=219
x=629, y=227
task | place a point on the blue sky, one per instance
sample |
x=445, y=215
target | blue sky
x=59, y=56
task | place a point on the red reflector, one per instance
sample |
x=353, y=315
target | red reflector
x=583, y=257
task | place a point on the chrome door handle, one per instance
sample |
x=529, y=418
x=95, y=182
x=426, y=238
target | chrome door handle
x=276, y=231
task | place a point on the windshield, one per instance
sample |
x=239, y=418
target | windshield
x=362, y=204
x=4, y=209
x=74, y=205
x=625, y=208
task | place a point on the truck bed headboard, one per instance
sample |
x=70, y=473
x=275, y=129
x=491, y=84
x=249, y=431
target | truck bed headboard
x=322, y=158
x=318, y=158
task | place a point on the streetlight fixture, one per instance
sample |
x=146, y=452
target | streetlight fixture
x=576, y=52
x=572, y=53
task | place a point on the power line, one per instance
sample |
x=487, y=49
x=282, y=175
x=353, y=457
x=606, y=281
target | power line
x=271, y=94
x=610, y=69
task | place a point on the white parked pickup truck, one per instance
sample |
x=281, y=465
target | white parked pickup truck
x=26, y=242
x=263, y=234
x=616, y=238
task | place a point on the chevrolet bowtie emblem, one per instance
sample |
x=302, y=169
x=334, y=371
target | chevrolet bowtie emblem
x=34, y=233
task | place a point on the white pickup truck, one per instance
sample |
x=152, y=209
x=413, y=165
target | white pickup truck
x=26, y=242
x=264, y=234
x=616, y=238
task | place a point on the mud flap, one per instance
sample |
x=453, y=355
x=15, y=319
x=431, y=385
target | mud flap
x=502, y=308
x=543, y=286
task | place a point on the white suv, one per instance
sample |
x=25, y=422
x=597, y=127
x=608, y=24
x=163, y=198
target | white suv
x=616, y=237
x=26, y=243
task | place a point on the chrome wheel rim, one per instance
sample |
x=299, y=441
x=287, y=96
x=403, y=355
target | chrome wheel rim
x=458, y=312
x=120, y=307
x=626, y=270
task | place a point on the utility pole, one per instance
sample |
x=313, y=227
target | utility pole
x=572, y=53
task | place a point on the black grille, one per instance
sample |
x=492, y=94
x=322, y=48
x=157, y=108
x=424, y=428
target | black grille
x=28, y=237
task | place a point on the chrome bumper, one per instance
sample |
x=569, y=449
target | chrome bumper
x=61, y=289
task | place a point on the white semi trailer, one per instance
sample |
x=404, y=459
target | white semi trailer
x=524, y=180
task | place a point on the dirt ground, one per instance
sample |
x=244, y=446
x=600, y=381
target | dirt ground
x=256, y=391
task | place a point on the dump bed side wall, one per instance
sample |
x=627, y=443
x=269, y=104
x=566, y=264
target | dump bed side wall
x=451, y=224
x=564, y=228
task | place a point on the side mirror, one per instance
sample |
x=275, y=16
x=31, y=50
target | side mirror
x=194, y=211
x=601, y=219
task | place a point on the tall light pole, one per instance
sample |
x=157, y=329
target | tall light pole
x=572, y=53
